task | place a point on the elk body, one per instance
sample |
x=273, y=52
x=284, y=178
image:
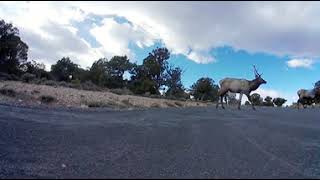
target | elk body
x=307, y=97
x=241, y=86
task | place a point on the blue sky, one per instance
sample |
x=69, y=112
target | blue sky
x=205, y=39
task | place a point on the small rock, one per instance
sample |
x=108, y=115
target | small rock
x=83, y=106
x=20, y=100
x=63, y=166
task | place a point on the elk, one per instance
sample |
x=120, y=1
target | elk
x=241, y=86
x=307, y=97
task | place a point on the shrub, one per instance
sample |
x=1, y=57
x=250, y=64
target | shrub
x=50, y=83
x=94, y=104
x=155, y=105
x=5, y=76
x=28, y=77
x=170, y=104
x=47, y=98
x=63, y=84
x=75, y=84
x=35, y=92
x=178, y=104
x=279, y=101
x=90, y=86
x=126, y=102
x=8, y=77
x=123, y=91
x=8, y=92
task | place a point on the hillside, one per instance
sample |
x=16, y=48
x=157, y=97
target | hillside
x=33, y=94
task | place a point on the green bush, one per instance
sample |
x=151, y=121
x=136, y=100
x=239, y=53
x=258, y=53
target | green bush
x=76, y=83
x=28, y=77
x=279, y=101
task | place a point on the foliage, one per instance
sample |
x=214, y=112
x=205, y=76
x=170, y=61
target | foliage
x=13, y=51
x=8, y=92
x=279, y=101
x=63, y=69
x=205, y=89
x=151, y=75
x=268, y=101
x=28, y=77
x=174, y=84
x=256, y=99
x=231, y=98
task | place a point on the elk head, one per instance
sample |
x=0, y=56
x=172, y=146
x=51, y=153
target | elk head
x=258, y=76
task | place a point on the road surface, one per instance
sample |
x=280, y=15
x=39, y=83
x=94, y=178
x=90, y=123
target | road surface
x=193, y=142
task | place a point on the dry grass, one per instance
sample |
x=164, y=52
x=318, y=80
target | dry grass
x=69, y=97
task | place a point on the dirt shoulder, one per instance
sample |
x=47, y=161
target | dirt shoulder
x=33, y=94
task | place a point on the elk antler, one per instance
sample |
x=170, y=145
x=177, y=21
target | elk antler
x=255, y=71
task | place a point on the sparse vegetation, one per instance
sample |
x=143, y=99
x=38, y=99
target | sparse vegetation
x=8, y=92
x=47, y=99
x=35, y=92
x=88, y=85
x=96, y=104
x=50, y=83
x=179, y=104
x=123, y=91
x=127, y=102
x=169, y=104
x=155, y=105
x=28, y=77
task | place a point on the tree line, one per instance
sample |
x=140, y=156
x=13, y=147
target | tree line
x=153, y=76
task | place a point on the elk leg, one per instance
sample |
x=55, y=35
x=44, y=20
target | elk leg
x=218, y=103
x=240, y=101
x=222, y=102
x=221, y=94
x=225, y=99
x=221, y=98
x=249, y=98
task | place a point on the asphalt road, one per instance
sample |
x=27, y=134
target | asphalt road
x=159, y=143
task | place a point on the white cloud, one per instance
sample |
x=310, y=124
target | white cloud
x=115, y=37
x=300, y=63
x=267, y=92
x=280, y=28
x=188, y=28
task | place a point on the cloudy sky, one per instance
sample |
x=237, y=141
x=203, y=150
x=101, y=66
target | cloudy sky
x=214, y=39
